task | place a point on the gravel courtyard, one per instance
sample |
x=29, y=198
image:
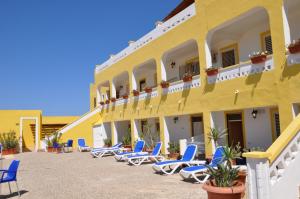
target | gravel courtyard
x=78, y=175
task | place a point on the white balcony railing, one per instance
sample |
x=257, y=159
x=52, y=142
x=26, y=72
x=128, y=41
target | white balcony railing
x=143, y=95
x=179, y=86
x=293, y=59
x=121, y=101
x=241, y=70
x=152, y=35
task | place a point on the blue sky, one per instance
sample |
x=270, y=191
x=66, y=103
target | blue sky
x=49, y=48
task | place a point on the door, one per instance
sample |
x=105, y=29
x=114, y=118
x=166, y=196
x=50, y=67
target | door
x=235, y=129
x=198, y=132
x=99, y=136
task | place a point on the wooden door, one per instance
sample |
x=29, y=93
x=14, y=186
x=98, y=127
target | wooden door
x=235, y=129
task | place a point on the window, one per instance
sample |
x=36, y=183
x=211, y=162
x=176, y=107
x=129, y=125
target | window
x=266, y=41
x=191, y=67
x=142, y=84
x=229, y=56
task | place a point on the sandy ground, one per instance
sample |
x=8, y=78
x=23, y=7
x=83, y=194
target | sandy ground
x=78, y=175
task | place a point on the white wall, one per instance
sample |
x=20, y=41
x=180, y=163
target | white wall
x=180, y=130
x=248, y=42
x=293, y=18
x=259, y=130
x=107, y=129
x=173, y=73
x=122, y=129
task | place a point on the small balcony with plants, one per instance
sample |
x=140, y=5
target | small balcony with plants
x=120, y=89
x=239, y=48
x=103, y=94
x=144, y=81
x=180, y=68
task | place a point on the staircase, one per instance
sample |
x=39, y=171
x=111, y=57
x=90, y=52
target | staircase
x=275, y=174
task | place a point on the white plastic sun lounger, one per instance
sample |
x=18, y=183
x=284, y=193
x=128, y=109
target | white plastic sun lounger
x=141, y=158
x=187, y=159
x=138, y=149
x=100, y=152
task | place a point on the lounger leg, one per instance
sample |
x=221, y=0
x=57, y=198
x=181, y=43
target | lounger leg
x=9, y=187
x=200, y=181
x=18, y=189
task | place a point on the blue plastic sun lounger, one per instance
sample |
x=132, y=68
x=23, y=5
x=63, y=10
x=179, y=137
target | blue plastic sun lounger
x=141, y=158
x=82, y=146
x=138, y=149
x=186, y=159
x=100, y=152
x=200, y=170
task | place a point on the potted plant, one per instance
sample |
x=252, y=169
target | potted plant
x=223, y=182
x=127, y=139
x=125, y=96
x=9, y=142
x=148, y=89
x=107, y=101
x=135, y=93
x=258, y=57
x=174, y=150
x=212, y=71
x=187, y=77
x=149, y=137
x=215, y=135
x=113, y=99
x=102, y=103
x=164, y=84
x=107, y=142
x=53, y=142
x=294, y=47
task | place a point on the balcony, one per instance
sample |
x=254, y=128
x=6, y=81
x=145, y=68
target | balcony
x=241, y=70
x=143, y=95
x=159, y=30
x=293, y=59
x=180, y=86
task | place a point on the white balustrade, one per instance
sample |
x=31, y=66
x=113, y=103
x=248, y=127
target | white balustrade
x=179, y=18
x=179, y=86
x=143, y=95
x=121, y=101
x=241, y=70
x=293, y=59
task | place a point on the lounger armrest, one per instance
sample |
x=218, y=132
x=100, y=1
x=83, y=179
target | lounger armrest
x=197, y=162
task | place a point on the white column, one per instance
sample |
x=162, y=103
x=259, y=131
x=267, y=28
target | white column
x=21, y=135
x=133, y=80
x=286, y=26
x=208, y=52
x=135, y=129
x=258, y=178
x=163, y=71
x=113, y=89
x=166, y=136
x=114, y=133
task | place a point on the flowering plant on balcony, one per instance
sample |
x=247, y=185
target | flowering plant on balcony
x=102, y=103
x=258, y=57
x=164, y=84
x=294, y=47
x=113, y=99
x=187, y=77
x=107, y=101
x=211, y=71
x=125, y=96
x=135, y=93
x=148, y=89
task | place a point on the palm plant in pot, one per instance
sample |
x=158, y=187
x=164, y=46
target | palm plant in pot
x=215, y=136
x=149, y=136
x=174, y=150
x=223, y=183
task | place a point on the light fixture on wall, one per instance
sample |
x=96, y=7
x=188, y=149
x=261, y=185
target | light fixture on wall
x=254, y=113
x=175, y=120
x=173, y=64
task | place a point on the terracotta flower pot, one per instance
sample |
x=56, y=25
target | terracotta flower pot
x=125, y=96
x=212, y=71
x=294, y=48
x=113, y=99
x=50, y=149
x=258, y=59
x=127, y=146
x=107, y=102
x=234, y=192
x=102, y=103
x=148, y=90
x=9, y=151
x=187, y=78
x=135, y=93
x=164, y=84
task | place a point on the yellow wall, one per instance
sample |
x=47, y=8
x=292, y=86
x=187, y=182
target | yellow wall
x=279, y=87
x=59, y=119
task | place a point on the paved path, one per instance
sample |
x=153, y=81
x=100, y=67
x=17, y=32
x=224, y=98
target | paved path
x=78, y=175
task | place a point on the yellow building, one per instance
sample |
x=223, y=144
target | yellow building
x=254, y=101
x=31, y=126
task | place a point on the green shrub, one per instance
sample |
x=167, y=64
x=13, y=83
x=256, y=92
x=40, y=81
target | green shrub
x=55, y=139
x=107, y=142
x=9, y=140
x=174, y=147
